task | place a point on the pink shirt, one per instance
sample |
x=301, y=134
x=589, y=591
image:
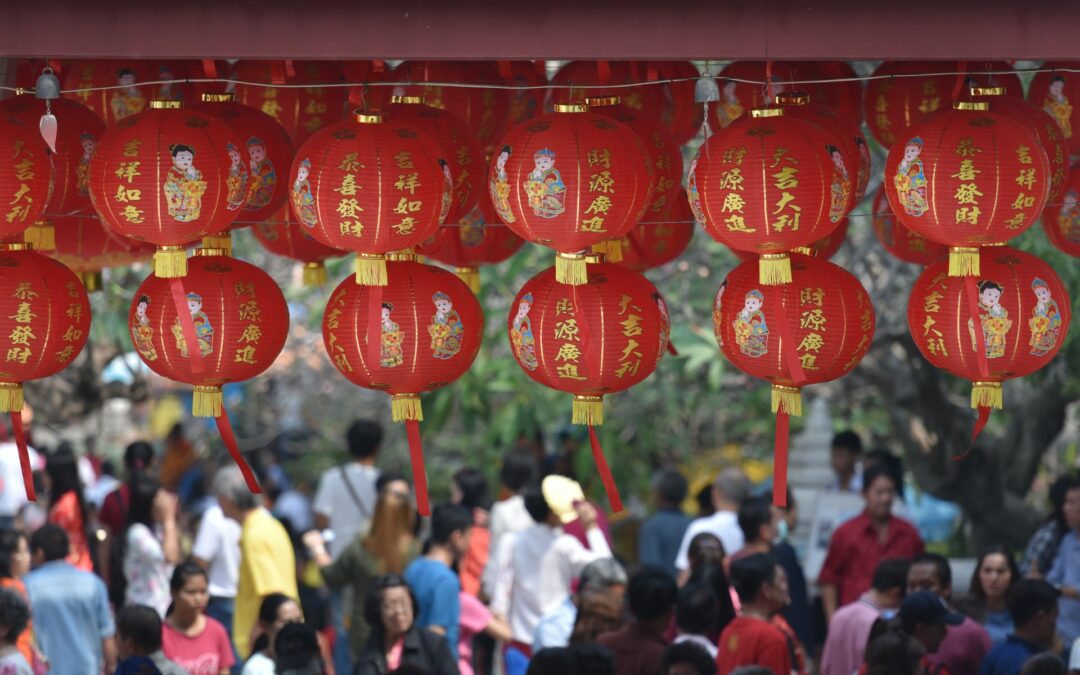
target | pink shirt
x=207, y=653
x=848, y=632
x=474, y=619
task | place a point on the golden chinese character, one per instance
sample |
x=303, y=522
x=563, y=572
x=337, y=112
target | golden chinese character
x=403, y=160
x=342, y=362
x=251, y=333
x=786, y=178
x=966, y=193
x=271, y=108
x=1026, y=178
x=785, y=221
x=24, y=291
x=1016, y=221
x=21, y=335
x=404, y=206
x=734, y=155
x=314, y=107
x=127, y=194
x=937, y=346
x=808, y=361
x=132, y=214
x=128, y=171
x=19, y=354
x=601, y=204
x=737, y=223
x=630, y=349
x=929, y=324
x=732, y=179
x=74, y=311
x=568, y=352
x=406, y=226
x=1023, y=154
x=813, y=319
x=23, y=190
x=131, y=148
x=18, y=213
x=23, y=313
x=602, y=182
x=782, y=153
x=811, y=342
x=1023, y=201
x=966, y=147
x=350, y=163
x=929, y=105
x=628, y=368
x=568, y=371
x=250, y=311
x=812, y=296
x=66, y=353
x=564, y=306
x=464, y=158
x=625, y=304
x=242, y=288
x=24, y=170
x=733, y=203
x=866, y=320
x=631, y=326
x=352, y=228
x=966, y=215
x=348, y=186
x=967, y=170
x=567, y=329
x=408, y=182
x=349, y=208
x=245, y=354
x=931, y=302
x=594, y=224
x=72, y=334
x=599, y=157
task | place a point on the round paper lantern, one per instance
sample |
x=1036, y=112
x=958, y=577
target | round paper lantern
x=484, y=111
x=163, y=177
x=113, y=105
x=302, y=111
x=846, y=98
x=965, y=178
x=893, y=104
x=769, y=185
x=25, y=175
x=737, y=98
x=580, y=80
x=1055, y=92
x=479, y=240
x=85, y=247
x=426, y=335
x=681, y=115
x=283, y=235
x=897, y=239
x=524, y=104
x=1008, y=321
x=826, y=247
x=258, y=188
x=459, y=149
x=654, y=243
x=569, y=180
x=1061, y=221
x=371, y=186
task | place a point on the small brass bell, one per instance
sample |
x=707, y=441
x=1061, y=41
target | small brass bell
x=47, y=86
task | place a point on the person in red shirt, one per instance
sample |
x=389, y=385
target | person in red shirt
x=752, y=639
x=860, y=544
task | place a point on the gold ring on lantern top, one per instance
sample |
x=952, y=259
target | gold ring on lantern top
x=977, y=106
x=987, y=91
x=407, y=100
x=571, y=108
x=16, y=246
x=602, y=101
x=160, y=104
x=404, y=255
x=793, y=98
x=218, y=98
x=767, y=112
x=368, y=117
x=209, y=252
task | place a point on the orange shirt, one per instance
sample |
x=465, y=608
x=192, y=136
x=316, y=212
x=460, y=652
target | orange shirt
x=67, y=515
x=26, y=639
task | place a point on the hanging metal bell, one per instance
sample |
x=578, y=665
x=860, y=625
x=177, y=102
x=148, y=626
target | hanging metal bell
x=706, y=90
x=47, y=86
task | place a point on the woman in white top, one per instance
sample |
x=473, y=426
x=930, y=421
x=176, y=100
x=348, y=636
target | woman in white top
x=151, y=544
x=276, y=610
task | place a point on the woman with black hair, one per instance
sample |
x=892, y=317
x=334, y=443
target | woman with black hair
x=1043, y=546
x=14, y=564
x=993, y=579
x=390, y=608
x=276, y=610
x=67, y=506
x=151, y=544
x=189, y=638
x=470, y=489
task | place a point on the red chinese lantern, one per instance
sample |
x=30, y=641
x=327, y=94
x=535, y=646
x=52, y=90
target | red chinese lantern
x=591, y=340
x=846, y=98
x=283, y=235
x=302, y=111
x=569, y=180
x=826, y=247
x=525, y=103
x=654, y=243
x=769, y=185
x=965, y=178
x=418, y=333
x=85, y=247
x=162, y=177
x=680, y=115
x=113, y=105
x=898, y=240
x=44, y=323
x=813, y=330
x=893, y=104
x=479, y=240
x=579, y=80
x=372, y=187
x=459, y=149
x=1054, y=92
x=483, y=110
x=78, y=130
x=1008, y=321
x=737, y=98
x=1061, y=221
x=25, y=177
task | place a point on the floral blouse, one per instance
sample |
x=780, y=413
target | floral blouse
x=146, y=570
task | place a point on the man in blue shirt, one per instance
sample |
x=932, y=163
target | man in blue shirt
x=72, y=622
x=662, y=532
x=1065, y=572
x=431, y=578
x=1033, y=606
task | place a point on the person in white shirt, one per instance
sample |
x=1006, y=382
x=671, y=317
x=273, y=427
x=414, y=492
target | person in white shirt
x=541, y=562
x=730, y=489
x=509, y=515
x=12, y=490
x=217, y=550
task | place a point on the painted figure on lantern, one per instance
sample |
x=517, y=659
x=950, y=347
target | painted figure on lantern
x=263, y=176
x=862, y=176
x=204, y=332
x=692, y=193
x=184, y=186
x=1068, y=219
x=237, y=180
x=1045, y=321
x=751, y=331
x=1057, y=104
x=302, y=200
x=446, y=328
x=545, y=187
x=521, y=334
x=142, y=333
x=127, y=101
x=717, y=306
x=391, y=353
x=500, y=186
x=665, y=325
x=841, y=185
x=82, y=171
x=910, y=180
x=447, y=191
x=472, y=233
x=522, y=103
x=730, y=108
x=993, y=319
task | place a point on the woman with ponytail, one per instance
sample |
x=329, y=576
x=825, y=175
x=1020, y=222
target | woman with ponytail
x=67, y=507
x=138, y=459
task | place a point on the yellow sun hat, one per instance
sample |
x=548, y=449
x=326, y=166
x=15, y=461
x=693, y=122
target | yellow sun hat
x=561, y=493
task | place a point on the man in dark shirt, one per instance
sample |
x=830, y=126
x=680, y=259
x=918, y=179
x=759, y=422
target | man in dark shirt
x=662, y=532
x=1033, y=606
x=639, y=647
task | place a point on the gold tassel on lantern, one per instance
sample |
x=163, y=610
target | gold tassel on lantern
x=41, y=236
x=588, y=410
x=221, y=240
x=611, y=249
x=314, y=274
x=986, y=395
x=570, y=269
x=92, y=281
x=11, y=397
x=370, y=269
x=207, y=402
x=774, y=269
x=471, y=277
x=787, y=400
x=170, y=262
x=963, y=261
x=406, y=408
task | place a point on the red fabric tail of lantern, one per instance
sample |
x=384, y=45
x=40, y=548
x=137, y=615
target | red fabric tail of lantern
x=290, y=68
x=226, y=431
x=209, y=67
x=603, y=72
x=505, y=71
x=187, y=324
x=374, y=334
x=416, y=456
x=605, y=472
x=671, y=348
x=980, y=424
x=972, y=292
x=277, y=73
x=24, y=455
x=791, y=356
x=961, y=75
x=780, y=460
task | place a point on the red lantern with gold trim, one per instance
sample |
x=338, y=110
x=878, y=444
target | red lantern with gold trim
x=569, y=180
x=283, y=235
x=25, y=177
x=654, y=243
x=302, y=111
x=86, y=247
x=893, y=104
x=580, y=80
x=417, y=334
x=680, y=115
x=483, y=110
x=846, y=98
x=898, y=240
x=478, y=241
x=849, y=136
x=738, y=98
x=590, y=341
x=1056, y=93
x=525, y=104
x=371, y=186
x=769, y=185
x=966, y=178
x=1061, y=222
x=113, y=105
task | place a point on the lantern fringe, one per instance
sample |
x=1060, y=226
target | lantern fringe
x=588, y=410
x=207, y=402
x=406, y=407
x=170, y=262
x=987, y=395
x=314, y=274
x=370, y=270
x=222, y=240
x=471, y=277
x=92, y=281
x=611, y=249
x=963, y=262
x=11, y=397
x=41, y=236
x=774, y=269
x=571, y=269
x=787, y=400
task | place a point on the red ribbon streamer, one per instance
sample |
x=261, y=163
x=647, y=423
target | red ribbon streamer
x=603, y=72
x=505, y=72
x=419, y=472
x=605, y=472
x=290, y=68
x=980, y=424
x=277, y=72
x=374, y=328
x=209, y=67
x=788, y=338
x=780, y=460
x=651, y=73
x=378, y=66
x=226, y=431
x=187, y=324
x=671, y=348
x=768, y=82
x=24, y=455
x=961, y=75
x=972, y=293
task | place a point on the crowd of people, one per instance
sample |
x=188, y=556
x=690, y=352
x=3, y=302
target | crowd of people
x=151, y=573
